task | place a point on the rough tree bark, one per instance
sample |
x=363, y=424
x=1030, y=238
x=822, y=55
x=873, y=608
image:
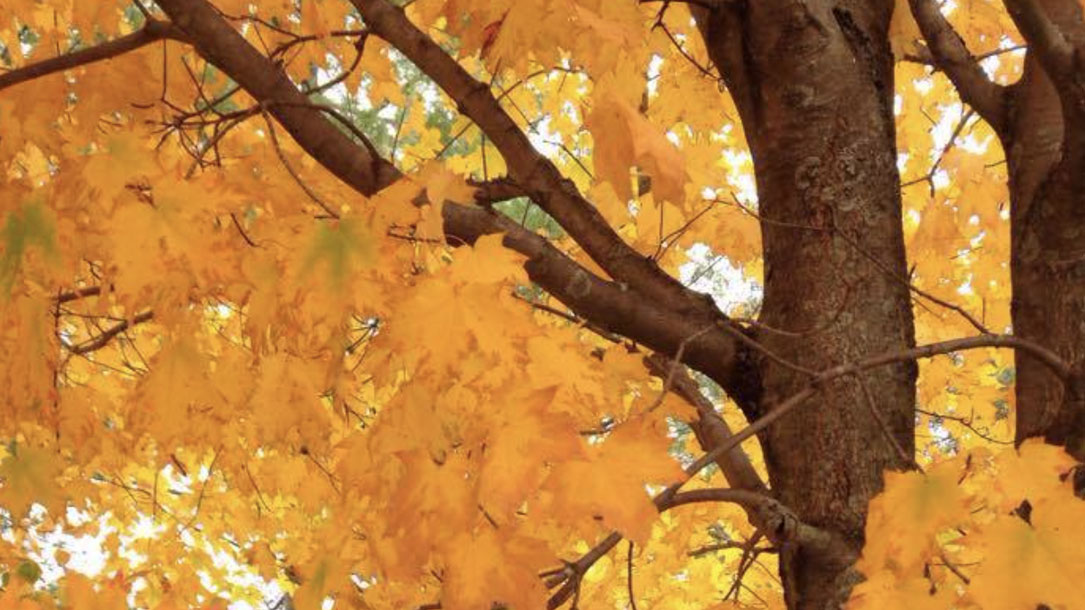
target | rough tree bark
x=814, y=86
x=813, y=83
x=1040, y=121
x=1045, y=148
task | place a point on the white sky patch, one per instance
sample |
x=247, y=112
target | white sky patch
x=744, y=183
x=655, y=69
x=923, y=85
x=715, y=275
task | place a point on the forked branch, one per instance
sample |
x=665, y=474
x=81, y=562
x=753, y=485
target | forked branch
x=539, y=178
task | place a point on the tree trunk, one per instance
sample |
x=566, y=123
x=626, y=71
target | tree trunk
x=813, y=83
x=1045, y=149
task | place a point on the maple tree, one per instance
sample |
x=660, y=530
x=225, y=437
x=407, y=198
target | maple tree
x=416, y=304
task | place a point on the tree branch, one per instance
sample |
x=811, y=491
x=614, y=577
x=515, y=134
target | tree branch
x=778, y=522
x=606, y=304
x=100, y=341
x=153, y=31
x=488, y=192
x=1043, y=36
x=539, y=178
x=1057, y=365
x=923, y=55
x=78, y=293
x=661, y=324
x=710, y=429
x=950, y=55
x=265, y=81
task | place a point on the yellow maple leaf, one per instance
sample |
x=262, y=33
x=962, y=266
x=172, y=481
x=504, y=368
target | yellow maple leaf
x=321, y=577
x=80, y=594
x=339, y=250
x=485, y=568
x=611, y=482
x=904, y=519
x=29, y=476
x=624, y=138
x=525, y=438
x=1033, y=472
x=1027, y=566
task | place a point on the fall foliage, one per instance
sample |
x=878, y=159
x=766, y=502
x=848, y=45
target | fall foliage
x=473, y=304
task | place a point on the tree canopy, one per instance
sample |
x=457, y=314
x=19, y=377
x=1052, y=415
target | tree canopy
x=535, y=304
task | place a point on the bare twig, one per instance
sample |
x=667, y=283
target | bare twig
x=967, y=423
x=570, y=575
x=676, y=363
x=282, y=157
x=929, y=176
x=107, y=335
x=1057, y=365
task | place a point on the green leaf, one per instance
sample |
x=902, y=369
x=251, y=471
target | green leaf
x=32, y=225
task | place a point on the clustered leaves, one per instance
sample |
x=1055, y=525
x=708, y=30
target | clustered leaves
x=980, y=530
x=239, y=377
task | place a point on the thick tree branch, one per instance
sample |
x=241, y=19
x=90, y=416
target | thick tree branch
x=661, y=324
x=152, y=31
x=78, y=293
x=1043, y=36
x=489, y=192
x=224, y=47
x=609, y=305
x=711, y=430
x=950, y=55
x=716, y=354
x=539, y=178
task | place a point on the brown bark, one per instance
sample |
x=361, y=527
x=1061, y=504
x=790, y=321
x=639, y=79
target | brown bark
x=1045, y=150
x=151, y=32
x=1041, y=123
x=814, y=84
x=662, y=324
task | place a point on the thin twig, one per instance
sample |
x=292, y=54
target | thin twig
x=883, y=425
x=676, y=362
x=107, y=335
x=929, y=176
x=1046, y=356
x=282, y=157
